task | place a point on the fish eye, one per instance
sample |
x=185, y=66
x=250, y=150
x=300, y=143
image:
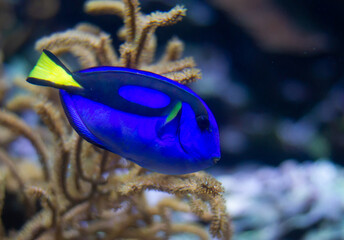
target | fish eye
x=203, y=122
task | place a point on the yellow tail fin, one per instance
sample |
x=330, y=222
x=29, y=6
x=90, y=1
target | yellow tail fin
x=50, y=71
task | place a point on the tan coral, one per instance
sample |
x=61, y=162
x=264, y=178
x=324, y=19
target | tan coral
x=90, y=45
x=84, y=190
x=105, y=7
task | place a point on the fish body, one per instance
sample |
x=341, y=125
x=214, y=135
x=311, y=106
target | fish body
x=149, y=119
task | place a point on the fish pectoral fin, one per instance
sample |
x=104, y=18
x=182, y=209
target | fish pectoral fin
x=50, y=71
x=170, y=127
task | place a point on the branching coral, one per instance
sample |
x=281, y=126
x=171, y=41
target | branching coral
x=93, y=47
x=89, y=193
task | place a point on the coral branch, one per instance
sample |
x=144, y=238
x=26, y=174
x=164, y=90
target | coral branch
x=85, y=56
x=190, y=228
x=148, y=52
x=131, y=12
x=68, y=39
x=81, y=172
x=100, y=46
x=104, y=7
x=146, y=35
x=174, y=50
x=13, y=169
x=127, y=55
x=60, y=179
x=52, y=119
x=186, y=76
x=11, y=121
x=35, y=227
x=170, y=67
x=60, y=173
x=105, y=52
x=76, y=211
x=21, y=103
x=161, y=19
x=220, y=226
x=154, y=20
x=174, y=204
x=205, y=188
x=46, y=199
x=88, y=28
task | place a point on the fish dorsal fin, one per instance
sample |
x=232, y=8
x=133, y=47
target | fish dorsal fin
x=170, y=127
x=50, y=71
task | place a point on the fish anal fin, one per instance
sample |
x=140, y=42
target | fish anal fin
x=76, y=121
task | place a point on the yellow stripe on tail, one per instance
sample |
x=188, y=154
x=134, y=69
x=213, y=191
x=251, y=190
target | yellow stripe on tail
x=49, y=71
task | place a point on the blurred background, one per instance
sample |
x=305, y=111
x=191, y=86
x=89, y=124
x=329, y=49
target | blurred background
x=273, y=77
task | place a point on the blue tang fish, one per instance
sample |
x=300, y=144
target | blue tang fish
x=149, y=119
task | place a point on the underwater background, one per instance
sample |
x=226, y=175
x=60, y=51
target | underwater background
x=272, y=74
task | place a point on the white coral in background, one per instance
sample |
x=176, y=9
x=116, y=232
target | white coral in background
x=293, y=201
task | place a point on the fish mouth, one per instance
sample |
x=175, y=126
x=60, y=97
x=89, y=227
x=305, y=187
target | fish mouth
x=216, y=159
x=197, y=156
x=194, y=155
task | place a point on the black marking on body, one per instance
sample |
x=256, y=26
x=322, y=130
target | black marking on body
x=103, y=86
